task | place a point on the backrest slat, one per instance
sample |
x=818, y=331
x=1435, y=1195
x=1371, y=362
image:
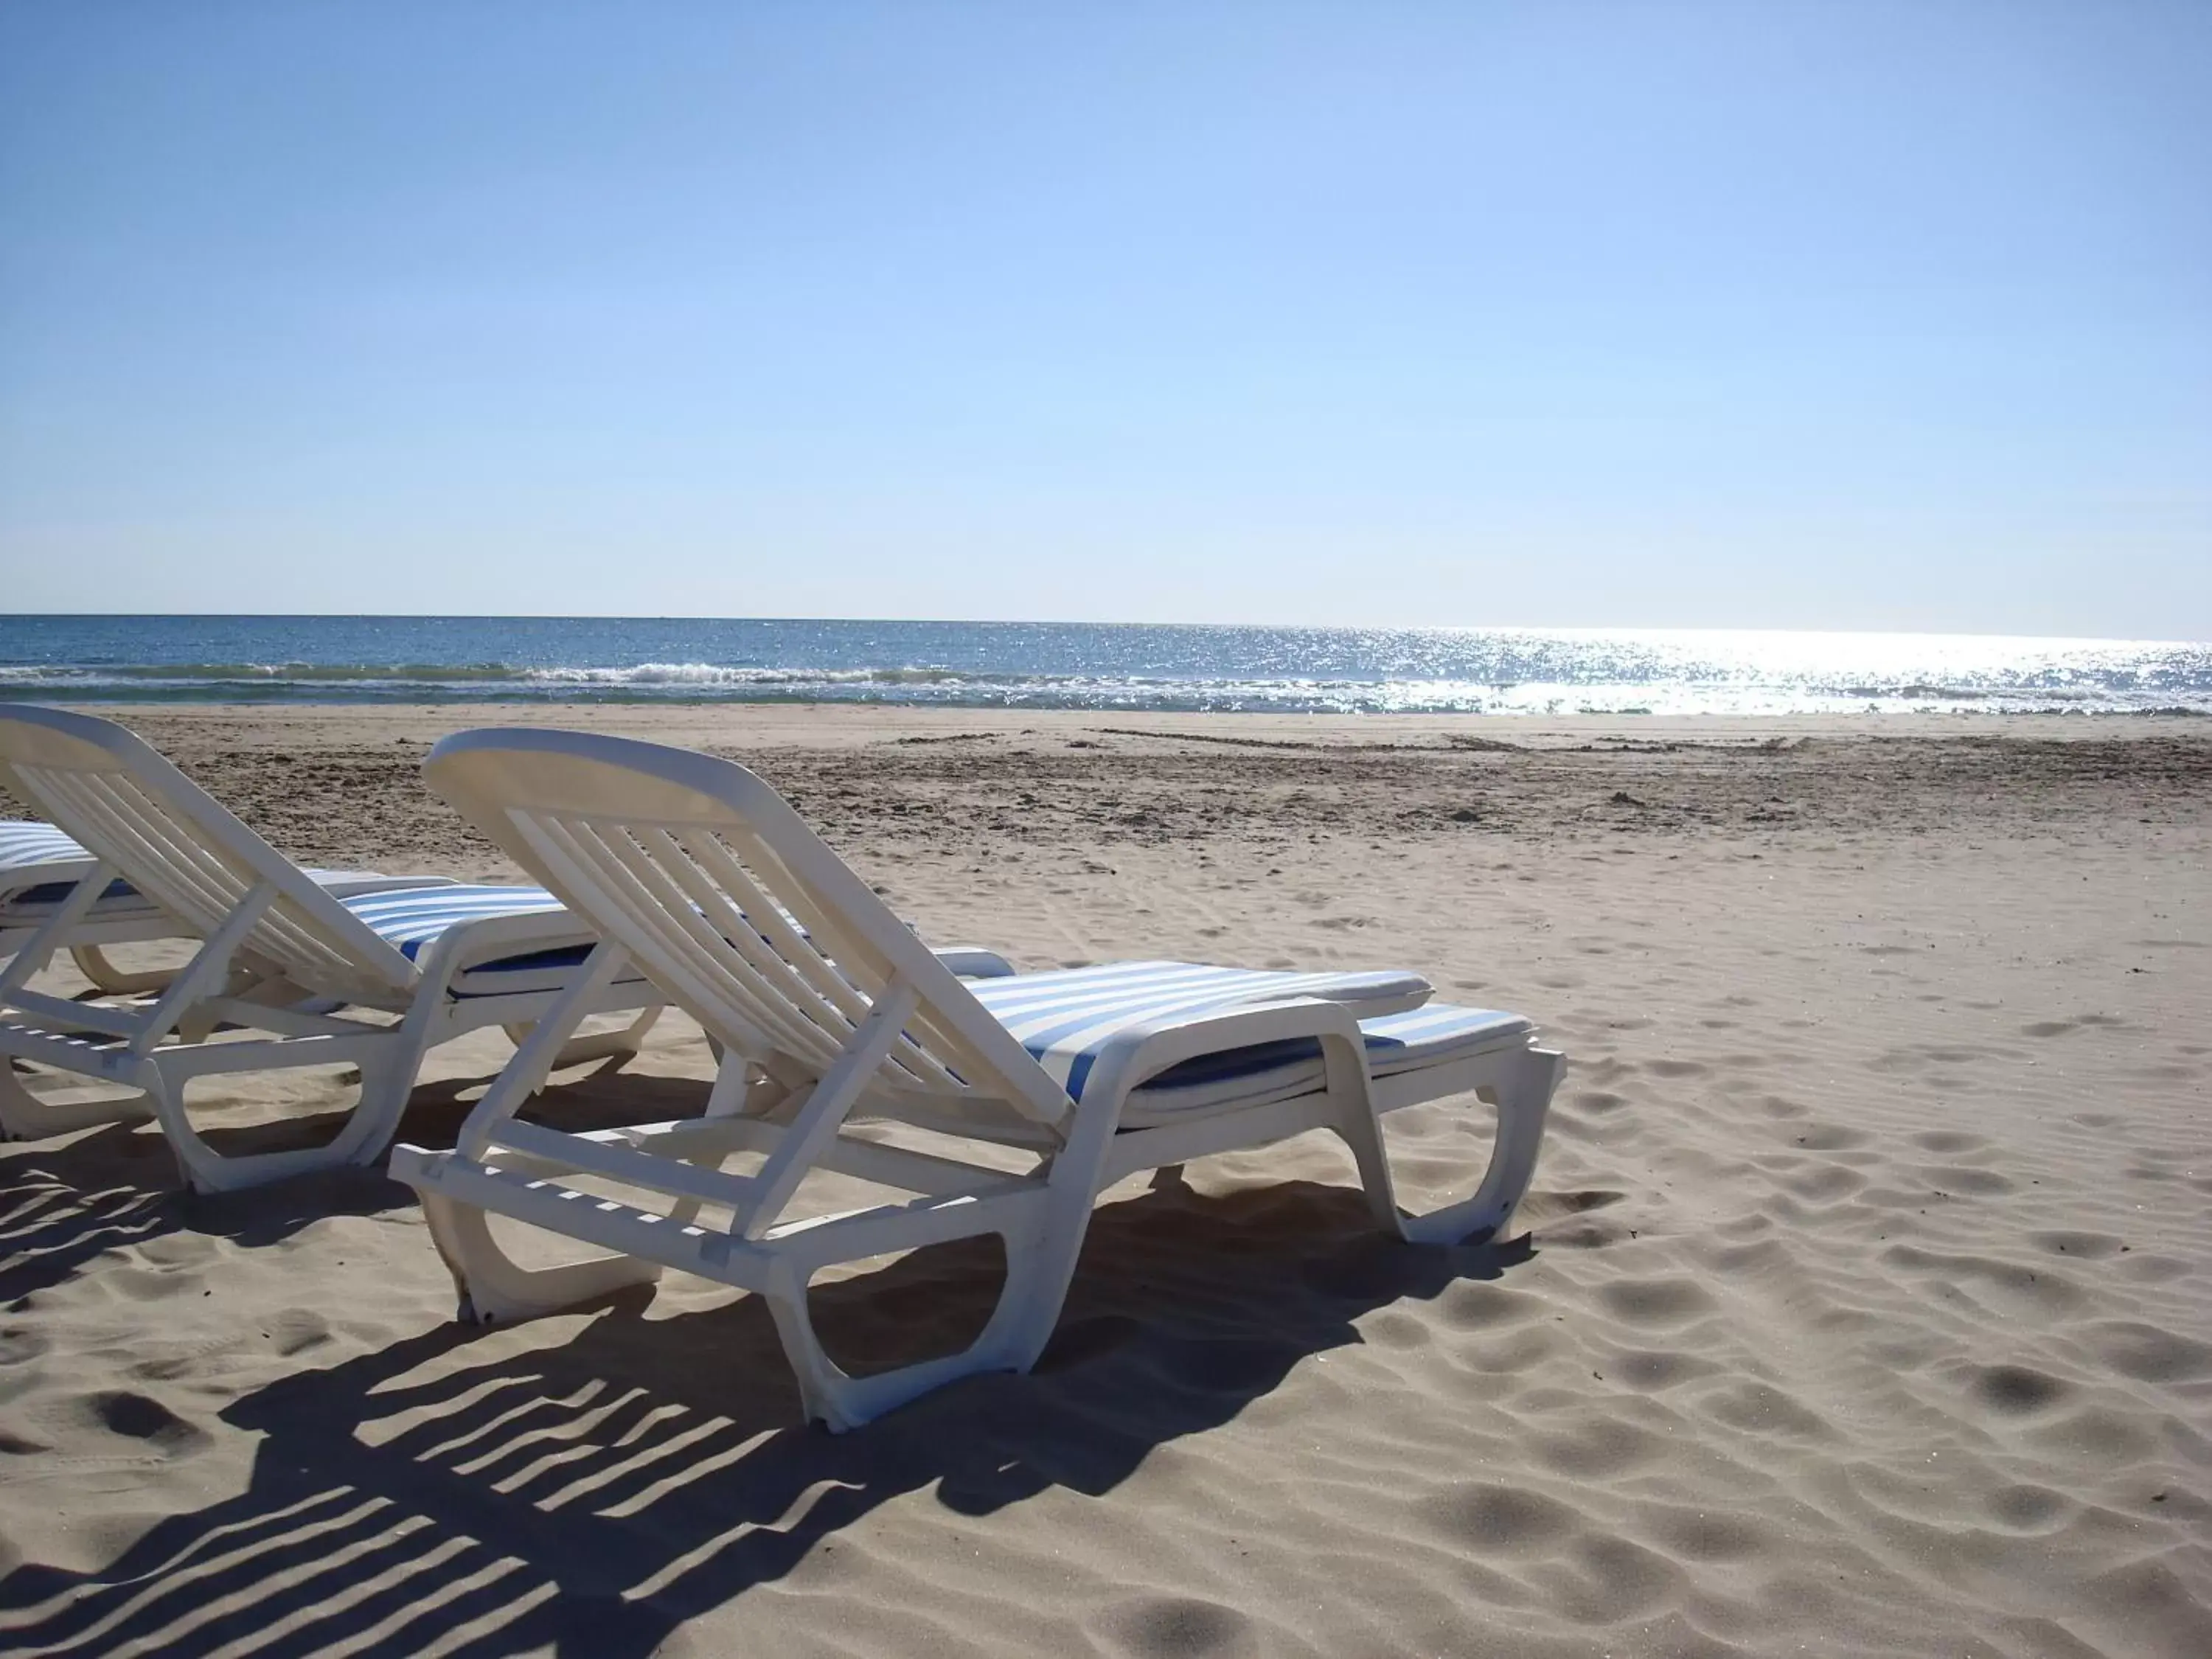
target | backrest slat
x=184, y=874
x=766, y=939
x=725, y=852
x=587, y=875
x=806, y=983
x=724, y=897
x=135, y=843
x=822, y=921
x=189, y=856
x=301, y=949
x=733, y=929
x=163, y=861
x=721, y=937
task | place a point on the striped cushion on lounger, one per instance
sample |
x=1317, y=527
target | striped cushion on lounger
x=1066, y=1019
x=1431, y=1036
x=25, y=846
x=53, y=863
x=50, y=863
x=412, y=922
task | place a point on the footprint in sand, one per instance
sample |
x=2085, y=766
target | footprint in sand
x=1501, y=1519
x=1177, y=1625
x=141, y=1417
x=1949, y=1140
x=1958, y=1179
x=1824, y=1185
x=1658, y=1302
x=1756, y=1408
x=2018, y=1390
x=1599, y=1450
x=1831, y=1138
x=2150, y=1353
x=1472, y=1306
x=1703, y=1536
x=2027, y=1508
x=1653, y=1370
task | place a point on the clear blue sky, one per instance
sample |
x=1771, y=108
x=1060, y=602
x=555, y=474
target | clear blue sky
x=1846, y=315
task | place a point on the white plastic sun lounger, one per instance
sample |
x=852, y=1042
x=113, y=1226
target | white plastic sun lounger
x=1094, y=1074
x=39, y=866
x=288, y=973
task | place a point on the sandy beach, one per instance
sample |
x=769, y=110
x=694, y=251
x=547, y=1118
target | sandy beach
x=1862, y=1304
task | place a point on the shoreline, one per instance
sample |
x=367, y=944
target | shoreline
x=779, y=721
x=1960, y=709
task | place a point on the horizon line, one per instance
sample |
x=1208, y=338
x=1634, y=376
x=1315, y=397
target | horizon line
x=1063, y=622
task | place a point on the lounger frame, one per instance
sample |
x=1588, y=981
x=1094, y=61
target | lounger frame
x=839, y=1043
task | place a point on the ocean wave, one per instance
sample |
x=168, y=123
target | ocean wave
x=707, y=674
x=256, y=673
x=649, y=673
x=310, y=674
x=1128, y=671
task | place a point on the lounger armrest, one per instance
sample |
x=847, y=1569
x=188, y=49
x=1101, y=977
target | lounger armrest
x=363, y=884
x=974, y=962
x=1142, y=1052
x=485, y=937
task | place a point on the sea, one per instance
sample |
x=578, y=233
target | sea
x=1085, y=666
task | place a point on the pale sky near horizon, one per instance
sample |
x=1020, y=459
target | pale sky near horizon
x=1839, y=315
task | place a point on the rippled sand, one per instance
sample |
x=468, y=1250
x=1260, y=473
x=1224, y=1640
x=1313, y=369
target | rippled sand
x=1864, y=1304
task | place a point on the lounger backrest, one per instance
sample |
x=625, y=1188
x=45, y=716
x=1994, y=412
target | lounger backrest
x=181, y=849
x=732, y=906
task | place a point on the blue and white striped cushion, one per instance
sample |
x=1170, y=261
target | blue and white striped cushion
x=26, y=845
x=1397, y=1044
x=39, y=865
x=1065, y=1020
x=412, y=922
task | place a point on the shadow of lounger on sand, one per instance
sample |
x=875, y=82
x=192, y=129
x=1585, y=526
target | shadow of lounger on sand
x=588, y=1496
x=64, y=1203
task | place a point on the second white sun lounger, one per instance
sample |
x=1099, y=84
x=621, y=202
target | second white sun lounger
x=1004, y=1107
x=286, y=974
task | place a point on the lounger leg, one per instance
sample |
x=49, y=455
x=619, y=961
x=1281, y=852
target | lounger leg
x=28, y=1116
x=1037, y=1288
x=91, y=962
x=492, y=1286
x=1525, y=1096
x=386, y=1079
x=1041, y=1241
x=1358, y=1125
x=1359, y=1131
x=603, y=1045
x=1046, y=1263
x=1028, y=1302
